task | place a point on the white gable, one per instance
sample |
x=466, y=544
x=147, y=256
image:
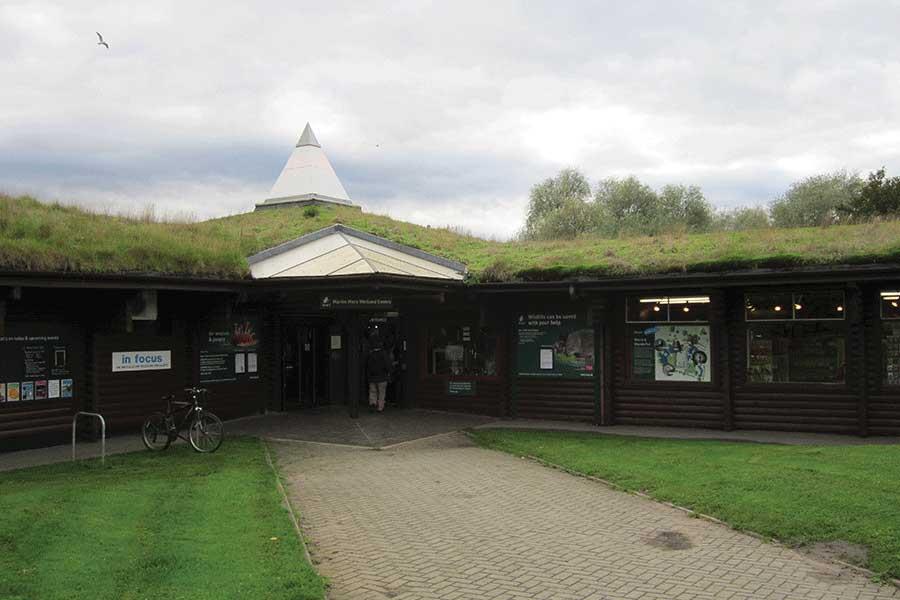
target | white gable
x=340, y=250
x=308, y=175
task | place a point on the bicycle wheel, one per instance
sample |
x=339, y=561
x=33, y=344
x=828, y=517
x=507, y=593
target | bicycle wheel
x=155, y=432
x=206, y=432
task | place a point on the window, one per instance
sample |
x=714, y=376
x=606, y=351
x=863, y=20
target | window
x=673, y=343
x=890, y=336
x=783, y=306
x=663, y=309
x=461, y=349
x=890, y=305
x=796, y=337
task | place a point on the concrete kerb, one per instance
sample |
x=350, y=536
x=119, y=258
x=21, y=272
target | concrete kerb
x=290, y=509
x=693, y=513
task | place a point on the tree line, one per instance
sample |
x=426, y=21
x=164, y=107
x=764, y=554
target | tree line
x=567, y=206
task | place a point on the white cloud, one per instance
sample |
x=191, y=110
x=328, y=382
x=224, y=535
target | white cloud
x=440, y=113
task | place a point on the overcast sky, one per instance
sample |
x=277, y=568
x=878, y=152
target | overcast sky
x=440, y=113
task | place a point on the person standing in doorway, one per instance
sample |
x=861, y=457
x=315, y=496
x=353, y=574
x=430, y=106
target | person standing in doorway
x=378, y=369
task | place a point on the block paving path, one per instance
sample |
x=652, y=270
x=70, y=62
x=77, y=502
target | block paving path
x=441, y=518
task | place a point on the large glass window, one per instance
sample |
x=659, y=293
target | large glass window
x=785, y=306
x=796, y=353
x=802, y=342
x=890, y=335
x=672, y=343
x=663, y=309
x=461, y=349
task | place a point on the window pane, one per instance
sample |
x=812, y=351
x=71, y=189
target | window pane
x=768, y=306
x=819, y=305
x=648, y=309
x=796, y=353
x=891, y=351
x=890, y=305
x=689, y=308
x=461, y=349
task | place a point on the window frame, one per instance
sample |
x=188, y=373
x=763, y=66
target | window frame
x=459, y=321
x=793, y=318
x=667, y=300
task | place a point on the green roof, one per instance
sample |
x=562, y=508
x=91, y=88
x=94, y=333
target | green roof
x=40, y=237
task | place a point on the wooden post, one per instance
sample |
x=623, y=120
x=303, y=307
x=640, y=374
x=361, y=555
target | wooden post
x=727, y=327
x=355, y=366
x=2, y=317
x=857, y=359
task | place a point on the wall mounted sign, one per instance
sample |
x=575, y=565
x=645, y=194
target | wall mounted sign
x=671, y=353
x=555, y=345
x=356, y=302
x=35, y=367
x=229, y=350
x=141, y=360
x=460, y=388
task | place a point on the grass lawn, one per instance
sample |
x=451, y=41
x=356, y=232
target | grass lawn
x=797, y=494
x=173, y=525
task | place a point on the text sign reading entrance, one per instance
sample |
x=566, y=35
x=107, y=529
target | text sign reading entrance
x=141, y=360
x=356, y=302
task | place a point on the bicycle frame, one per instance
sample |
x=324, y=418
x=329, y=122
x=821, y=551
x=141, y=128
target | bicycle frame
x=190, y=409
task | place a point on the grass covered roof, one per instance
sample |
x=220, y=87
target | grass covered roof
x=40, y=237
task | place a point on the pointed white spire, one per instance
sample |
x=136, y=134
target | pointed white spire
x=307, y=177
x=308, y=138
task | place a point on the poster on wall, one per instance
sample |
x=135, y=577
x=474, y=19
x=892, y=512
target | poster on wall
x=29, y=361
x=671, y=353
x=555, y=345
x=226, y=348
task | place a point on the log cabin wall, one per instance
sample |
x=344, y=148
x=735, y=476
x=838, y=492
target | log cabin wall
x=882, y=338
x=662, y=403
x=555, y=398
x=814, y=407
x=41, y=420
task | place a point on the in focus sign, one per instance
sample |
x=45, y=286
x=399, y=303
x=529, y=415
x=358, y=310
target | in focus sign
x=141, y=360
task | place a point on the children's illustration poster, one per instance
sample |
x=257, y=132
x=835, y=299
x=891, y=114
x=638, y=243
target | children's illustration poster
x=679, y=353
x=12, y=392
x=2, y=392
x=67, y=385
x=27, y=391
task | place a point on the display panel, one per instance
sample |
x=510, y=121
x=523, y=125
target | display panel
x=229, y=350
x=554, y=345
x=890, y=343
x=671, y=353
x=796, y=353
x=36, y=366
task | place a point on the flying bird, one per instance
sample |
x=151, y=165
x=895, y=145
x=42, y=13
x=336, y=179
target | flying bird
x=101, y=42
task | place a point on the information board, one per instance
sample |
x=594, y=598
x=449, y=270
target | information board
x=35, y=367
x=671, y=353
x=460, y=388
x=229, y=350
x=555, y=345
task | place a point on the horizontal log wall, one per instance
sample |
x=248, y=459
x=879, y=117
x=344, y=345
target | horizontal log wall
x=556, y=399
x=668, y=404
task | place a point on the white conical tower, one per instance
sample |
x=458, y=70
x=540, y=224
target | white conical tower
x=307, y=178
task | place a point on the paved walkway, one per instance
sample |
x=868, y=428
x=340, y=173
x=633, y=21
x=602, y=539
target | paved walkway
x=440, y=518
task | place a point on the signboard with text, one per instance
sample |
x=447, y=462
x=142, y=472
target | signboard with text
x=229, y=350
x=35, y=367
x=141, y=360
x=356, y=302
x=554, y=344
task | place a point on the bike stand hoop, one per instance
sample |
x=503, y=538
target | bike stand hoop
x=102, y=433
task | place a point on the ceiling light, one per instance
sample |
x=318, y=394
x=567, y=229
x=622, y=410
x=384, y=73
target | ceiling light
x=655, y=309
x=777, y=308
x=798, y=306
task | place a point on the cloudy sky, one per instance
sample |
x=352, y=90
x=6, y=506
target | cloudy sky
x=442, y=113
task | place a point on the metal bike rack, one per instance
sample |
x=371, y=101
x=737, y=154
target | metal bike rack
x=102, y=433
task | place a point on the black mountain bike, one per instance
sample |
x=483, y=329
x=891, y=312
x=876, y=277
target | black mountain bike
x=205, y=430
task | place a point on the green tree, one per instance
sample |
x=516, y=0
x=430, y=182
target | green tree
x=685, y=206
x=627, y=206
x=880, y=197
x=818, y=200
x=741, y=219
x=558, y=205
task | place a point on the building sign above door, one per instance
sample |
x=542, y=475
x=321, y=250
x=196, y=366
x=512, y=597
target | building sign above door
x=356, y=302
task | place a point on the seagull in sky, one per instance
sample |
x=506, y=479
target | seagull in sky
x=101, y=42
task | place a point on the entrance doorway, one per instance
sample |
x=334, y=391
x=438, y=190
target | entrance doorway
x=305, y=366
x=385, y=330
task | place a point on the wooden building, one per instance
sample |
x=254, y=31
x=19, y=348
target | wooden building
x=813, y=348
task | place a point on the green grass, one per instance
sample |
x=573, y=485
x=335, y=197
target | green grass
x=173, y=525
x=35, y=236
x=796, y=494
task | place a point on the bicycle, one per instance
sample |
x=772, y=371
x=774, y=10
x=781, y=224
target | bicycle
x=205, y=430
